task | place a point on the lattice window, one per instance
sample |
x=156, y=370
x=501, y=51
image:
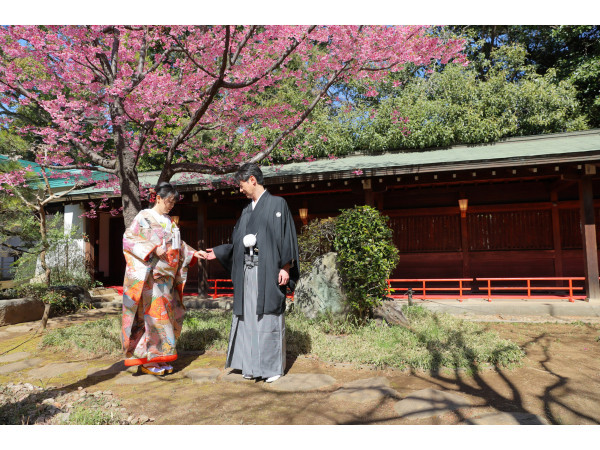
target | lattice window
x=415, y=234
x=512, y=230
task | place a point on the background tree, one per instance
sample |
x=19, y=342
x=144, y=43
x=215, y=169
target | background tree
x=573, y=51
x=113, y=94
x=21, y=189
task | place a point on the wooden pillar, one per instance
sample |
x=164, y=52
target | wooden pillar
x=588, y=234
x=201, y=245
x=558, y=259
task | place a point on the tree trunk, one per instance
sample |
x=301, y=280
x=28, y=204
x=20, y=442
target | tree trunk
x=130, y=191
x=45, y=316
x=44, y=234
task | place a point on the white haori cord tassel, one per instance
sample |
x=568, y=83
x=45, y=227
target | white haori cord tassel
x=250, y=242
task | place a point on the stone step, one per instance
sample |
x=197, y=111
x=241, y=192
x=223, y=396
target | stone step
x=100, y=291
x=107, y=298
x=108, y=305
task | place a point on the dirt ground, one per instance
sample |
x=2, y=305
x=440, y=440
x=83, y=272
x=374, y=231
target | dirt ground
x=558, y=380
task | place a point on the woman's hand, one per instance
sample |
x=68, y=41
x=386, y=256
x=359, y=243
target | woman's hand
x=200, y=254
x=208, y=254
x=160, y=251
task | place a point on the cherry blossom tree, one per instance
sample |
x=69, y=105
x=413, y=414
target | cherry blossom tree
x=109, y=95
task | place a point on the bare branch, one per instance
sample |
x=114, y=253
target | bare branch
x=274, y=66
x=95, y=157
x=234, y=58
x=191, y=58
x=114, y=52
x=105, y=63
x=15, y=249
x=262, y=155
x=184, y=133
x=24, y=200
x=62, y=194
x=142, y=56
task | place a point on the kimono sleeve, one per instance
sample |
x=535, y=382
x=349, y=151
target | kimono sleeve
x=224, y=254
x=134, y=241
x=289, y=248
x=187, y=257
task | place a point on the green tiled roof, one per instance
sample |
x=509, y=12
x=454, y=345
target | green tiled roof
x=56, y=183
x=524, y=151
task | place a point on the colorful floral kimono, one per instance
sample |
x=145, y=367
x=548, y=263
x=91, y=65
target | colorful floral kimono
x=153, y=307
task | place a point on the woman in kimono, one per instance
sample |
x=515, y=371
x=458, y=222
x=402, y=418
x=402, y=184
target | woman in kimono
x=157, y=264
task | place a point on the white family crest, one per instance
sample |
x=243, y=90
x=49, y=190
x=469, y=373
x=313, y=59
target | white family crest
x=278, y=214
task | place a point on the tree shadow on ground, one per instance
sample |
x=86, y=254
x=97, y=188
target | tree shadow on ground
x=503, y=397
x=194, y=345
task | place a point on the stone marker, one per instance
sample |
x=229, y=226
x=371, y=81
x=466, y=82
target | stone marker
x=507, y=418
x=55, y=369
x=301, y=382
x=20, y=310
x=11, y=357
x=428, y=403
x=321, y=291
x=139, y=379
x=365, y=390
x=203, y=375
x=109, y=370
x=21, y=365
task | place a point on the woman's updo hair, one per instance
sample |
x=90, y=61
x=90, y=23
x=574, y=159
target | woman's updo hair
x=165, y=190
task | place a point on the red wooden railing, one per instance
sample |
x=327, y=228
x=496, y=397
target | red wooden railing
x=520, y=287
x=215, y=289
x=423, y=282
x=528, y=287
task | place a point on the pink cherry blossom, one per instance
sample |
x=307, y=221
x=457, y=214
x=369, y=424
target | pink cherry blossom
x=115, y=93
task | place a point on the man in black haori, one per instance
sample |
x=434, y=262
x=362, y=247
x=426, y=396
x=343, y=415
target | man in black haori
x=263, y=262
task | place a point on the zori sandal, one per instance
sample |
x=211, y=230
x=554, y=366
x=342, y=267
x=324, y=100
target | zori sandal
x=153, y=369
x=167, y=368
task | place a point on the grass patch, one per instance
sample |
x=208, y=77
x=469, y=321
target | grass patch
x=434, y=340
x=92, y=412
x=99, y=337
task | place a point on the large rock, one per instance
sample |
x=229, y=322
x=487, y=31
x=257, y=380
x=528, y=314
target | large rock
x=321, y=292
x=20, y=310
x=391, y=312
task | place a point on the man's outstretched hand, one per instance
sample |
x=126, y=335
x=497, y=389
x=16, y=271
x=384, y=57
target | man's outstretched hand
x=208, y=254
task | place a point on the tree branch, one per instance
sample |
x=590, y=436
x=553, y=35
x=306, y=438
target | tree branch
x=62, y=194
x=274, y=66
x=191, y=58
x=15, y=249
x=234, y=58
x=183, y=134
x=262, y=155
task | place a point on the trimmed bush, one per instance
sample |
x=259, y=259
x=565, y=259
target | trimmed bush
x=366, y=257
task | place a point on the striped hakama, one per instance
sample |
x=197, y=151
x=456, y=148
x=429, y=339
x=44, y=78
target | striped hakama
x=256, y=342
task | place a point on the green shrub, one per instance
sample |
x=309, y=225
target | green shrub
x=366, y=256
x=315, y=240
x=60, y=302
